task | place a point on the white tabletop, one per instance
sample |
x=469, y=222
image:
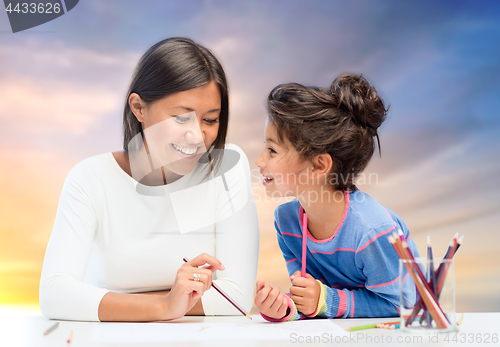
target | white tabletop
x=477, y=329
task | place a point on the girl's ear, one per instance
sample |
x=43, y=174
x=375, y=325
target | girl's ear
x=137, y=106
x=322, y=165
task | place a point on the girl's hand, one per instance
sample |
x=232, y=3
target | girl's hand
x=305, y=292
x=270, y=301
x=186, y=290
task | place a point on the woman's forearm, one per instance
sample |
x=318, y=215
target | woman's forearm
x=197, y=309
x=116, y=307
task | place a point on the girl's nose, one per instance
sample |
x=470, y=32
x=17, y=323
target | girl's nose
x=260, y=161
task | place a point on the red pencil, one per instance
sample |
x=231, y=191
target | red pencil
x=228, y=298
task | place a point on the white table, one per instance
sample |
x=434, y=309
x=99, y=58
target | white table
x=27, y=330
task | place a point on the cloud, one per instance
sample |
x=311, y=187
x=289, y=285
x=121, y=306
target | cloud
x=41, y=60
x=453, y=186
x=50, y=87
x=30, y=108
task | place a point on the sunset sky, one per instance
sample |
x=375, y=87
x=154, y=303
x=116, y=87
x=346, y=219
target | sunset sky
x=63, y=84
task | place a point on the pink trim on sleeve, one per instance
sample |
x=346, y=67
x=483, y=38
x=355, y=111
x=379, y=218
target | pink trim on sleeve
x=291, y=315
x=352, y=310
x=342, y=303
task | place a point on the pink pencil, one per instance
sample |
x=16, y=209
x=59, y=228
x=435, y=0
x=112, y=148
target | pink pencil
x=304, y=244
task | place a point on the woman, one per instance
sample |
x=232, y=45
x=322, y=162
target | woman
x=127, y=219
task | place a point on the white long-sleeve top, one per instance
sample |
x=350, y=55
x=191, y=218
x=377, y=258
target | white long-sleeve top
x=113, y=234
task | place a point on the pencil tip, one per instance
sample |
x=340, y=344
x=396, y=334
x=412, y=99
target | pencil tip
x=460, y=240
x=428, y=241
x=400, y=232
x=248, y=316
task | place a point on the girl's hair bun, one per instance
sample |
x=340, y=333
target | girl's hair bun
x=360, y=100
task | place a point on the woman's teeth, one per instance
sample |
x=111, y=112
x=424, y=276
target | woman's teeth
x=186, y=150
x=267, y=179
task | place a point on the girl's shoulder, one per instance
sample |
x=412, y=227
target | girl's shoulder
x=370, y=216
x=287, y=211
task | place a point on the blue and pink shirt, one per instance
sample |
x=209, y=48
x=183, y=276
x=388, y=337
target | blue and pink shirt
x=357, y=267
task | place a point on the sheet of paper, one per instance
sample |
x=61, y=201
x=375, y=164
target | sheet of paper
x=258, y=329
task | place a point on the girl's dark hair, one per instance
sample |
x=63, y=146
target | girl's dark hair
x=170, y=66
x=341, y=121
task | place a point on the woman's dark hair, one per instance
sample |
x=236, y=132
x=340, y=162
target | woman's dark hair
x=341, y=121
x=170, y=66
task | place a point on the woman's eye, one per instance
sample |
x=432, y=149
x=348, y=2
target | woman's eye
x=212, y=121
x=181, y=119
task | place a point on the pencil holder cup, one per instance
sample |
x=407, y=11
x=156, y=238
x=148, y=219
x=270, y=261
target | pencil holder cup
x=427, y=294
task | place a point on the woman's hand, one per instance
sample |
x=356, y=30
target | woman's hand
x=270, y=301
x=305, y=293
x=189, y=285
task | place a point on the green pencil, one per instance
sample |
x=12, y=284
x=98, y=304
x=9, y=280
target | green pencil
x=368, y=326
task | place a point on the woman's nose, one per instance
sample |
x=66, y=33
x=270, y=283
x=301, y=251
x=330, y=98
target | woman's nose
x=194, y=133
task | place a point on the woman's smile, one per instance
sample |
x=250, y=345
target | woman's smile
x=186, y=152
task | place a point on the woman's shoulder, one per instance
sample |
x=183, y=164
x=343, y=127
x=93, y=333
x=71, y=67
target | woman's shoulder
x=233, y=147
x=91, y=168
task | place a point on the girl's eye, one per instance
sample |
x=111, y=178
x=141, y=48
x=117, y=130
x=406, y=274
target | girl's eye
x=211, y=121
x=271, y=150
x=181, y=119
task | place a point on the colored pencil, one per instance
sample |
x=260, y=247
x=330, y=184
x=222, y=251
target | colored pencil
x=388, y=326
x=439, y=273
x=431, y=266
x=304, y=244
x=426, y=294
x=227, y=297
x=406, y=253
x=422, y=286
x=70, y=337
x=363, y=327
x=372, y=326
x=51, y=328
x=428, y=273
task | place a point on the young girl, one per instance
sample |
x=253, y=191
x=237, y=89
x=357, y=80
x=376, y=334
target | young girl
x=333, y=236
